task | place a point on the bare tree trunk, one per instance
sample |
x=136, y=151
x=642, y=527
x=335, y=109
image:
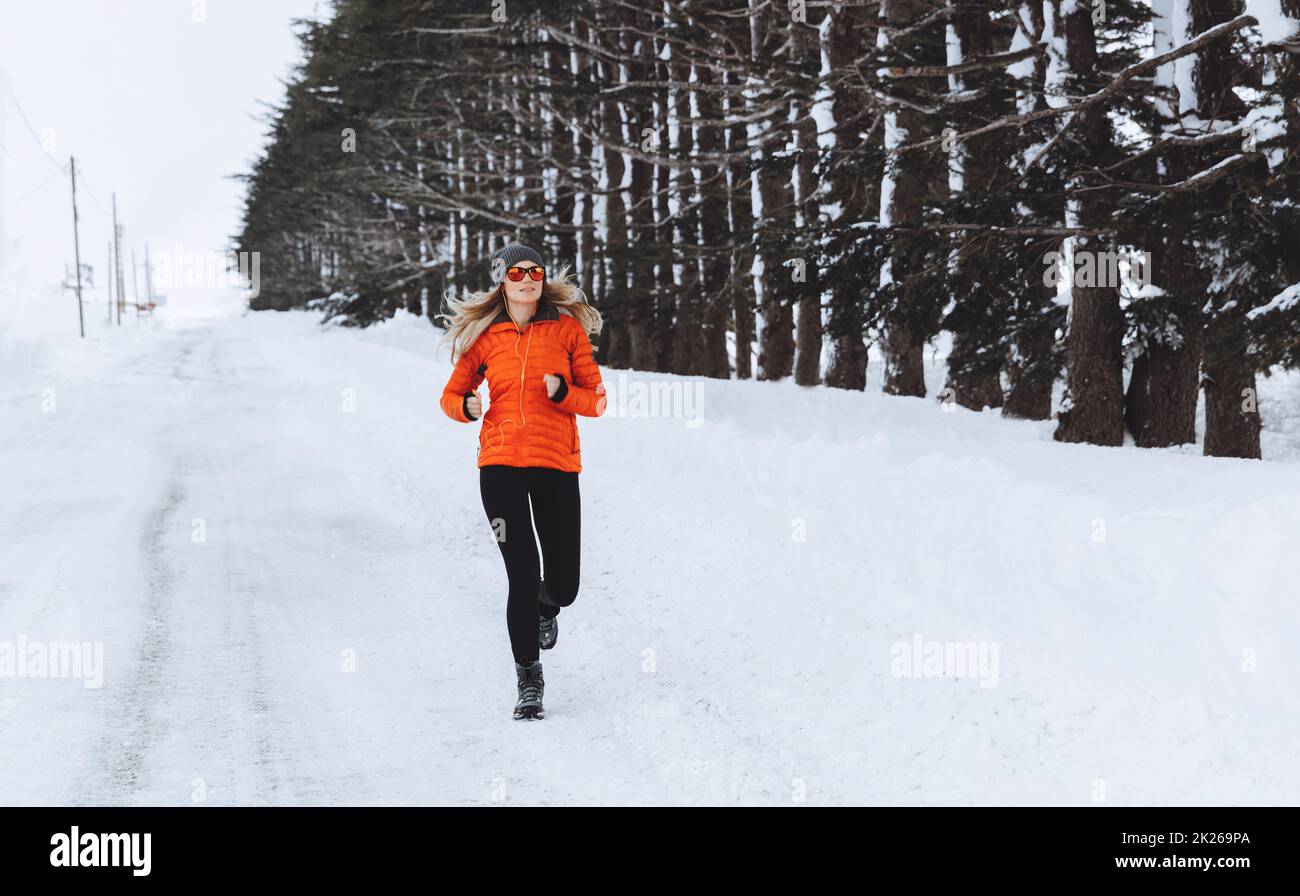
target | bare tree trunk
x=640, y=298
x=915, y=175
x=566, y=241
x=857, y=191
x=806, y=49
x=1164, y=386
x=688, y=328
x=665, y=283
x=740, y=201
x=587, y=240
x=776, y=339
x=1094, y=409
x=1232, y=421
x=713, y=232
x=617, y=348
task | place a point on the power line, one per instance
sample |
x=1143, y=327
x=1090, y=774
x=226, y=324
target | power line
x=43, y=185
x=31, y=130
x=86, y=183
x=61, y=168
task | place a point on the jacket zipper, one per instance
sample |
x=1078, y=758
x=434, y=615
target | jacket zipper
x=523, y=372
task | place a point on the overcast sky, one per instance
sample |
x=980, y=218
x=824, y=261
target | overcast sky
x=155, y=105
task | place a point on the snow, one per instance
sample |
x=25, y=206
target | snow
x=1184, y=67
x=1163, y=42
x=1283, y=301
x=1057, y=65
x=1275, y=25
x=756, y=578
x=894, y=137
x=952, y=53
x=1211, y=172
x=956, y=159
x=1021, y=41
x=821, y=108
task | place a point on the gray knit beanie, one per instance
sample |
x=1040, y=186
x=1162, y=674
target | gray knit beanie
x=512, y=255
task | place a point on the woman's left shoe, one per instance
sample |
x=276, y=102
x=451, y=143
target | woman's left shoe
x=548, y=632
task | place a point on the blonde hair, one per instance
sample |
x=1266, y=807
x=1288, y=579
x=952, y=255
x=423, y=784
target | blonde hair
x=470, y=316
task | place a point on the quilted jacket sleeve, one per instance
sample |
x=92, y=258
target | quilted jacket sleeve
x=464, y=380
x=582, y=392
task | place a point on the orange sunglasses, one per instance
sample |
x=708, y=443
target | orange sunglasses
x=517, y=273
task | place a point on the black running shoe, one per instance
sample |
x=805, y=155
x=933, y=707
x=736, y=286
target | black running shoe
x=530, y=691
x=548, y=632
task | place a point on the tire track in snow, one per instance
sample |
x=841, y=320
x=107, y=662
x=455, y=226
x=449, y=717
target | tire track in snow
x=249, y=768
x=135, y=725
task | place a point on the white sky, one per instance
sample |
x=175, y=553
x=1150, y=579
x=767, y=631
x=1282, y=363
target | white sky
x=155, y=105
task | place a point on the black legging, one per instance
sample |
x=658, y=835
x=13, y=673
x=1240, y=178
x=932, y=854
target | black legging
x=557, y=510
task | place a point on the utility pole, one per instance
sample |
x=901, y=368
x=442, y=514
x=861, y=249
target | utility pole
x=135, y=281
x=148, y=277
x=108, y=287
x=117, y=252
x=76, y=242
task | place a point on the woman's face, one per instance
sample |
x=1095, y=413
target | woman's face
x=527, y=290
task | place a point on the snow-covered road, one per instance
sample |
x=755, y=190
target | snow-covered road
x=276, y=538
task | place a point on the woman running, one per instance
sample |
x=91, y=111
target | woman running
x=530, y=337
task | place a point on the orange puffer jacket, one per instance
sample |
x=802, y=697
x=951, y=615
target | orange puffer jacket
x=523, y=426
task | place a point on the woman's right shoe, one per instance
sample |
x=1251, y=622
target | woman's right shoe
x=530, y=690
x=548, y=632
